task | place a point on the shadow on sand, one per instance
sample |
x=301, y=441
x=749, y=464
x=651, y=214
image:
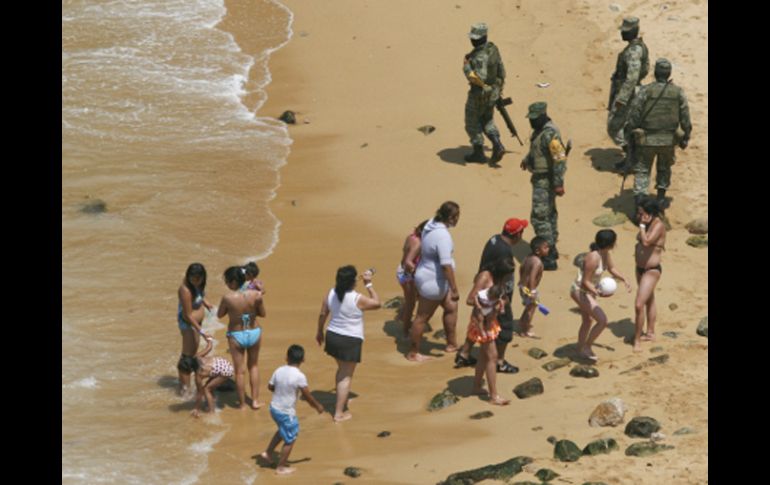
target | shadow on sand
x=604, y=159
x=395, y=329
x=623, y=202
x=328, y=399
x=262, y=463
x=623, y=328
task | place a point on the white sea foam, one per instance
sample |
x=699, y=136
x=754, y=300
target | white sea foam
x=207, y=445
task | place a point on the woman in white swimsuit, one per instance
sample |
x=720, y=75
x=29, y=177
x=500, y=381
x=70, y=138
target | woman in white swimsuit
x=585, y=292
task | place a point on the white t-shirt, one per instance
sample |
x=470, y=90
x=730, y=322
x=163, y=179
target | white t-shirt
x=347, y=319
x=287, y=380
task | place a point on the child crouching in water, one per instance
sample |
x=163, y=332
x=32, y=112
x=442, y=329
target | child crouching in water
x=284, y=383
x=216, y=369
x=484, y=329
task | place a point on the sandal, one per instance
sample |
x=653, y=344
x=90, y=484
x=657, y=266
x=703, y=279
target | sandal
x=507, y=368
x=461, y=361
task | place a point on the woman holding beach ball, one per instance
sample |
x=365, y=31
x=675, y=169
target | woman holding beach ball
x=586, y=290
x=651, y=241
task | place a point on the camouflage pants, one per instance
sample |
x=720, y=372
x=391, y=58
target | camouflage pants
x=479, y=118
x=544, y=215
x=665, y=158
x=616, y=121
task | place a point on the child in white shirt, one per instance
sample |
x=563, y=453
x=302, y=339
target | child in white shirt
x=284, y=383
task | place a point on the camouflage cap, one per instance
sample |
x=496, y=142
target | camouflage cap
x=629, y=23
x=478, y=31
x=536, y=109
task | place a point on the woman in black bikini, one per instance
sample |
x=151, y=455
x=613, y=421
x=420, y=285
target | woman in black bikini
x=651, y=242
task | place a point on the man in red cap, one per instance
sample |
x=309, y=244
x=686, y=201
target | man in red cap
x=500, y=246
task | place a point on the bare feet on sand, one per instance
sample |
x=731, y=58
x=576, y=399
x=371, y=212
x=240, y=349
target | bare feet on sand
x=637, y=346
x=256, y=404
x=450, y=348
x=647, y=337
x=499, y=401
x=414, y=357
x=284, y=470
x=342, y=417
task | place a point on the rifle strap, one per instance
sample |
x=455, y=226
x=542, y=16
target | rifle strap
x=644, y=115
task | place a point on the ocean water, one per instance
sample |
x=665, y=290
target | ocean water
x=161, y=122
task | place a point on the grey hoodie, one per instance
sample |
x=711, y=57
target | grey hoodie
x=436, y=251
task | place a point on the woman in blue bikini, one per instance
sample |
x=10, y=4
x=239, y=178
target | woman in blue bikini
x=243, y=331
x=189, y=317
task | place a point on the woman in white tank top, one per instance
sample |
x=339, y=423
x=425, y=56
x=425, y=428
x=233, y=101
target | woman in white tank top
x=585, y=293
x=345, y=334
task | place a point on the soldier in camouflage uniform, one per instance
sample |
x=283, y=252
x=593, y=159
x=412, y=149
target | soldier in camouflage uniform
x=632, y=66
x=484, y=70
x=654, y=121
x=547, y=160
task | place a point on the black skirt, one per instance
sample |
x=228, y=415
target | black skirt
x=342, y=347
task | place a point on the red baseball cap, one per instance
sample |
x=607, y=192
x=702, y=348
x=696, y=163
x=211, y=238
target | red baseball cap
x=514, y=226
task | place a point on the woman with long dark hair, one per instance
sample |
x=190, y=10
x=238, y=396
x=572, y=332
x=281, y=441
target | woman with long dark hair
x=189, y=317
x=345, y=334
x=651, y=242
x=585, y=292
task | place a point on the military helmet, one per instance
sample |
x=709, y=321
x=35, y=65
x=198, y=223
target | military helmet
x=478, y=31
x=536, y=109
x=629, y=23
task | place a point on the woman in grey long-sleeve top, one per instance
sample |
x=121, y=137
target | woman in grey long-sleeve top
x=435, y=279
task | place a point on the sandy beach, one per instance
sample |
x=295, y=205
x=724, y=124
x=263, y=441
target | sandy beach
x=362, y=77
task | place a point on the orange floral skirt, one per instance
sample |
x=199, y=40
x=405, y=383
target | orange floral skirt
x=475, y=335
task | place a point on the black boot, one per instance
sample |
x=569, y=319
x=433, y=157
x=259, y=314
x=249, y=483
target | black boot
x=662, y=199
x=635, y=215
x=477, y=155
x=553, y=252
x=549, y=263
x=498, y=150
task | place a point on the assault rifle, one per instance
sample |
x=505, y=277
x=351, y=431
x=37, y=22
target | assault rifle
x=500, y=104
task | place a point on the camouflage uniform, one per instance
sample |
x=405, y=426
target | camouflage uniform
x=486, y=63
x=656, y=134
x=632, y=66
x=546, y=150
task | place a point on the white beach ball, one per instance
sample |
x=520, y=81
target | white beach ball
x=607, y=286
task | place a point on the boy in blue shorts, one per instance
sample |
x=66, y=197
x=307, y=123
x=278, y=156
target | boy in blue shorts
x=284, y=383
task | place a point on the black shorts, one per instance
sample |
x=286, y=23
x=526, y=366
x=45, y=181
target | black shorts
x=506, y=325
x=342, y=347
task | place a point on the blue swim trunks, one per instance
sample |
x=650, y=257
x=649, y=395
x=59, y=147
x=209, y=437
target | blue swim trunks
x=288, y=425
x=246, y=338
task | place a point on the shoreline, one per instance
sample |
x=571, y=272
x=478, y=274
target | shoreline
x=354, y=172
